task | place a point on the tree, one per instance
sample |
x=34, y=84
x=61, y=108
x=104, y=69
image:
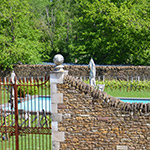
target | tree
x=54, y=19
x=112, y=32
x=19, y=39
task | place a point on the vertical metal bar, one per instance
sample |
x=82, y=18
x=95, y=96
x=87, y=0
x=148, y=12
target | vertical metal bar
x=8, y=98
x=49, y=124
x=21, y=112
x=31, y=111
x=38, y=108
x=43, y=80
x=35, y=81
x=28, y=85
x=16, y=115
x=12, y=102
x=23, y=86
x=36, y=123
x=41, y=137
x=46, y=105
x=50, y=118
x=12, y=111
x=4, y=110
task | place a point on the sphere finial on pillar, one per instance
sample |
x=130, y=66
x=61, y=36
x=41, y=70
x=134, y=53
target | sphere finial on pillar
x=58, y=60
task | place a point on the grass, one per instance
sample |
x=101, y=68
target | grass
x=118, y=93
x=28, y=142
x=120, y=88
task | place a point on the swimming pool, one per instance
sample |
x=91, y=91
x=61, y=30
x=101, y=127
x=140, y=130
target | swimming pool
x=135, y=100
x=37, y=104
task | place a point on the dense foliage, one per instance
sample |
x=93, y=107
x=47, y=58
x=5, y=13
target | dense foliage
x=19, y=39
x=113, y=33
x=110, y=31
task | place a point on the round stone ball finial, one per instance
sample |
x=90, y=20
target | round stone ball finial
x=58, y=60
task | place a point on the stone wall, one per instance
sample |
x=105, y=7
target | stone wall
x=121, y=72
x=93, y=120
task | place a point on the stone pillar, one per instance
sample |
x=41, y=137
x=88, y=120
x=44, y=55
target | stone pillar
x=56, y=77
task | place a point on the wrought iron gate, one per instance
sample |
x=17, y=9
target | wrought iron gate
x=25, y=114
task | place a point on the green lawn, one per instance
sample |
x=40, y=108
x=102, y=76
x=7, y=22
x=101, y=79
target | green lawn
x=118, y=93
x=28, y=142
x=121, y=88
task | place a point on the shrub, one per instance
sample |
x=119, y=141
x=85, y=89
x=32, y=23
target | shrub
x=25, y=88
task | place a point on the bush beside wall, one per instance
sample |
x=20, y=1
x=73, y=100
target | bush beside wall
x=93, y=120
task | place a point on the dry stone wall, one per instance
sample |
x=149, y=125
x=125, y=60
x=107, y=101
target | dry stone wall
x=122, y=72
x=93, y=120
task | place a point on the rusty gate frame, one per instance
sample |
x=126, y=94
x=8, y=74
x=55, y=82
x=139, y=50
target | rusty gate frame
x=17, y=130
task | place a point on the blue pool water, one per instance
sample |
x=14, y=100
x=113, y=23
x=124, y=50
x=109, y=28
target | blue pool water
x=135, y=100
x=37, y=104
x=34, y=105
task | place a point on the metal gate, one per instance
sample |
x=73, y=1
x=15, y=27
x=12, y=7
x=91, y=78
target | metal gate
x=25, y=113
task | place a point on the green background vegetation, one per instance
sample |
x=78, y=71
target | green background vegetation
x=120, y=88
x=110, y=31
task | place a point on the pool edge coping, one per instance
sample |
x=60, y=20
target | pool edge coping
x=134, y=98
